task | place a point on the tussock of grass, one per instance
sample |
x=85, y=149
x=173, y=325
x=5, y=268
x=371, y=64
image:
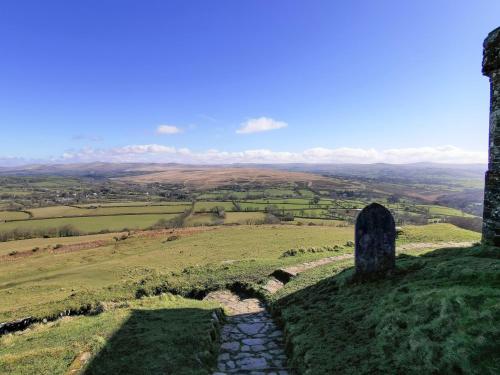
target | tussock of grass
x=302, y=250
x=439, y=313
x=166, y=334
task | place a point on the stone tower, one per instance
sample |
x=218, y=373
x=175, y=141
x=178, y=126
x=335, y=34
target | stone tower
x=491, y=68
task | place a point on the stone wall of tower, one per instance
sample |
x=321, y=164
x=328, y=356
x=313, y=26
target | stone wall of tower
x=491, y=69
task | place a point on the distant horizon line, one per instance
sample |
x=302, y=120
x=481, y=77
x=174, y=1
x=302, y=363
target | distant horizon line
x=60, y=163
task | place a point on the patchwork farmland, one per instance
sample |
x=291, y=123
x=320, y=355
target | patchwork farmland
x=114, y=257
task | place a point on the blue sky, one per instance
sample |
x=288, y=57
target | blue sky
x=244, y=81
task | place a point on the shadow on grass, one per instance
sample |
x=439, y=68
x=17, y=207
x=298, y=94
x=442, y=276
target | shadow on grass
x=160, y=341
x=424, y=318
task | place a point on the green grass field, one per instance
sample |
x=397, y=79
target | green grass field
x=37, y=284
x=444, y=211
x=133, y=203
x=200, y=219
x=207, y=206
x=58, y=211
x=286, y=206
x=229, y=194
x=166, y=334
x=13, y=215
x=90, y=224
x=436, y=233
x=437, y=314
x=44, y=284
x=279, y=192
x=86, y=217
x=306, y=193
x=299, y=201
x=243, y=217
x=326, y=222
x=42, y=243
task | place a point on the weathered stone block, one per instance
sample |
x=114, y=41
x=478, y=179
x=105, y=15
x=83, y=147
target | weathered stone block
x=375, y=240
x=491, y=54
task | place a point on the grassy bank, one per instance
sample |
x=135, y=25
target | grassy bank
x=164, y=334
x=45, y=283
x=438, y=313
x=43, y=243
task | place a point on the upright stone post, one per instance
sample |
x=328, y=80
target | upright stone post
x=375, y=238
x=491, y=69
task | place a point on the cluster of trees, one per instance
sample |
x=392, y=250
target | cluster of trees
x=406, y=218
x=278, y=213
x=176, y=222
x=21, y=234
x=219, y=212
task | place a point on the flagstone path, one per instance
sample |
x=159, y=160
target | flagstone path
x=251, y=343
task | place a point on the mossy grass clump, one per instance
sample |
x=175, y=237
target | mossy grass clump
x=311, y=250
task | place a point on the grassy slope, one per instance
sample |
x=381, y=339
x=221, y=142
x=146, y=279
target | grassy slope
x=438, y=314
x=45, y=284
x=42, y=243
x=231, y=218
x=444, y=211
x=436, y=233
x=165, y=334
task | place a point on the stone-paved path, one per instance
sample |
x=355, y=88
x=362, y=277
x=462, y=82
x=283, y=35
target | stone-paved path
x=251, y=342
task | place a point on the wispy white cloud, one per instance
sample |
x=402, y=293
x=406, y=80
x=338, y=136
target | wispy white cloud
x=207, y=117
x=85, y=137
x=261, y=124
x=161, y=153
x=144, y=149
x=168, y=129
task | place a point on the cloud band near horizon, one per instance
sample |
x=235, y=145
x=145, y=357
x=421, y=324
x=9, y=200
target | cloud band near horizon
x=165, y=154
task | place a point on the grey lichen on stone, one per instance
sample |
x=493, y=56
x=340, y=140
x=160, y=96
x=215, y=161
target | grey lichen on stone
x=375, y=241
